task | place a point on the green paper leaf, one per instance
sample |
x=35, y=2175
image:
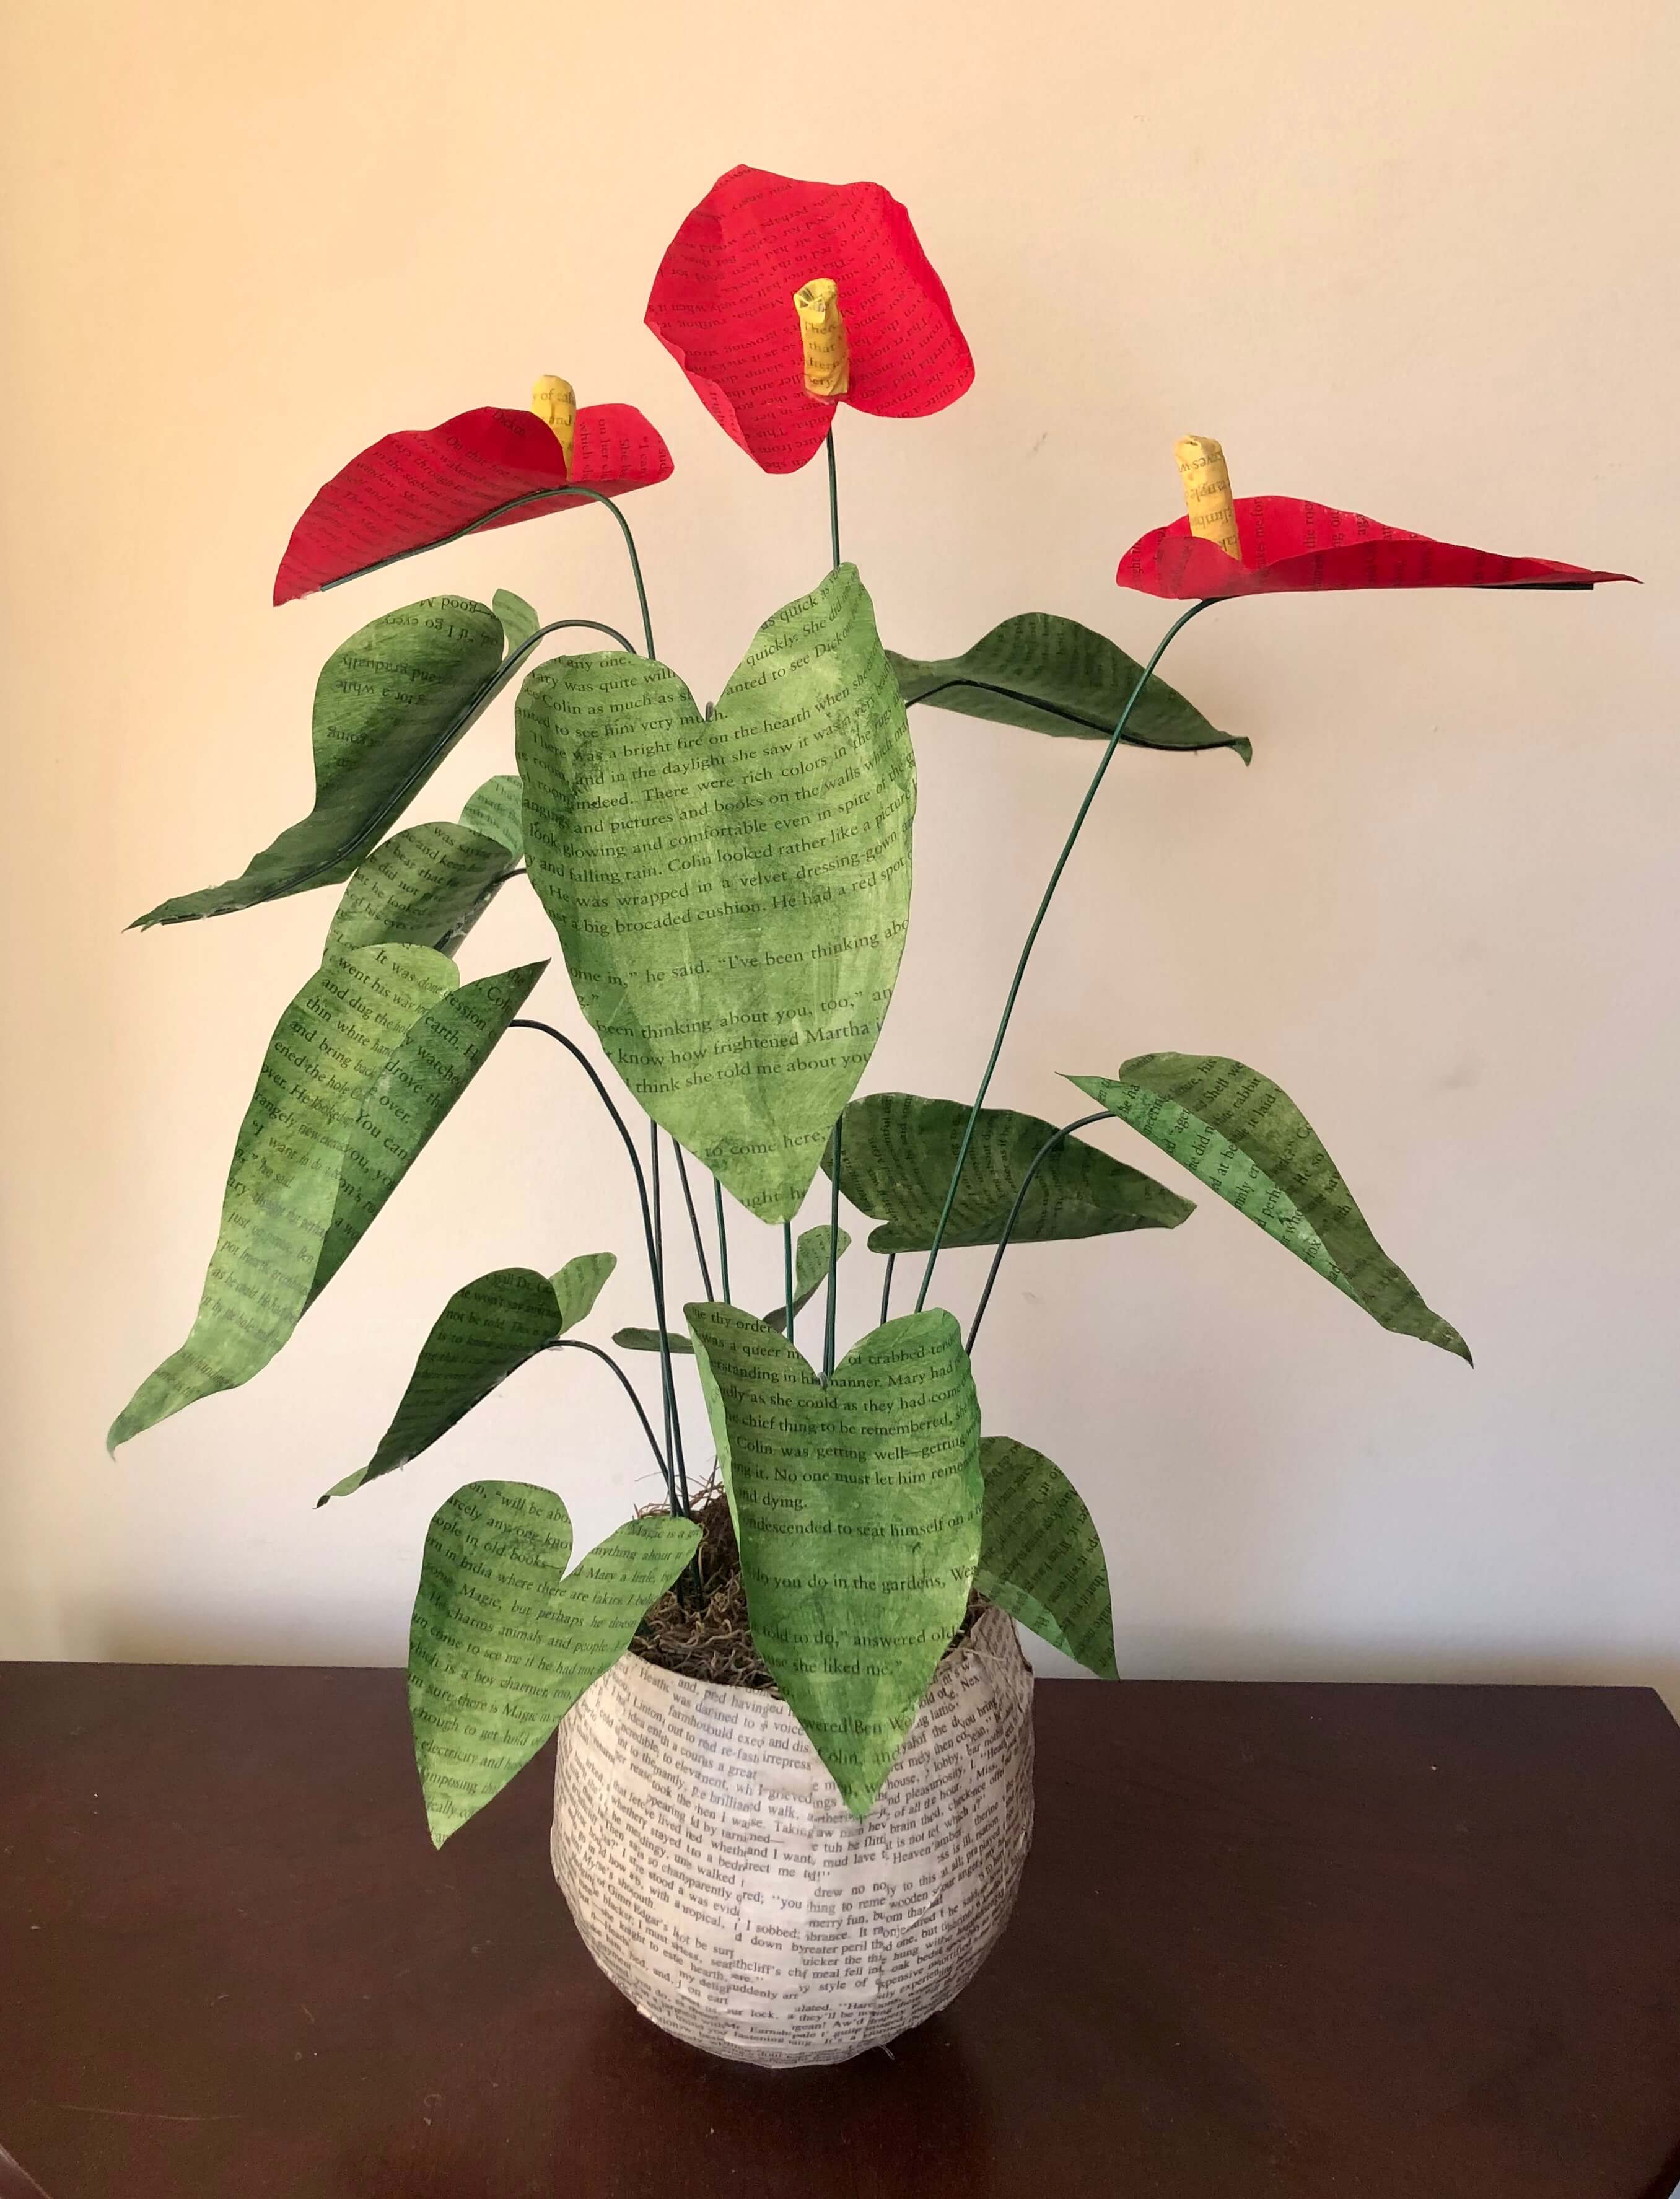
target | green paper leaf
x=857, y=1506
x=579, y=1284
x=427, y=886
x=810, y=1273
x=1248, y=1141
x=897, y=1152
x=488, y=1331
x=520, y=623
x=364, y=1064
x=389, y=705
x=730, y=892
x=1053, y=675
x=1040, y=1559
x=496, y=810
x=502, y=1642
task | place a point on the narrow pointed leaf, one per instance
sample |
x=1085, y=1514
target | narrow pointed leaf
x=1248, y=1141
x=364, y=1064
x=488, y=1331
x=502, y=1642
x=1040, y=1555
x=496, y=811
x=897, y=1152
x=730, y=891
x=810, y=1273
x=1053, y=675
x=520, y=623
x=427, y=886
x=857, y=1505
x=389, y=705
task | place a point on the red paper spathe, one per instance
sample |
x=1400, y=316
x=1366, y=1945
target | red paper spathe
x=722, y=305
x=411, y=490
x=1290, y=546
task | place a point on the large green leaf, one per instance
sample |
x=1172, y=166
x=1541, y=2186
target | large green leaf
x=488, y=1331
x=1053, y=675
x=1248, y=1141
x=389, y=705
x=897, y=1152
x=503, y=1642
x=857, y=1505
x=810, y=1273
x=730, y=892
x=364, y=1064
x=427, y=886
x=1040, y=1555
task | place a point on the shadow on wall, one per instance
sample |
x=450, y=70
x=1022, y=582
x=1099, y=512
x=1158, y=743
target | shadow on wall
x=1153, y=1653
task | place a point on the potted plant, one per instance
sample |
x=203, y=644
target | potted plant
x=794, y=1764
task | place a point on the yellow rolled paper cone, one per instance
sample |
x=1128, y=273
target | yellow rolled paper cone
x=828, y=358
x=554, y=400
x=1207, y=492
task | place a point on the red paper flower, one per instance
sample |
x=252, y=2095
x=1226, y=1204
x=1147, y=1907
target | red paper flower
x=1290, y=546
x=722, y=305
x=410, y=491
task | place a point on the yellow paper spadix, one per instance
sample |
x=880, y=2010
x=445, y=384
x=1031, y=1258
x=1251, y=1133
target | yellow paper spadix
x=1207, y=492
x=828, y=358
x=554, y=400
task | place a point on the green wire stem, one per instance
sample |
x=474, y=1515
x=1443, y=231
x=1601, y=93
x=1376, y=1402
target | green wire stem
x=501, y=512
x=833, y=500
x=693, y=1218
x=833, y=1247
x=577, y=1344
x=674, y=1441
x=723, y=1241
x=1091, y=792
x=886, y=1287
x=1055, y=1139
x=787, y=1275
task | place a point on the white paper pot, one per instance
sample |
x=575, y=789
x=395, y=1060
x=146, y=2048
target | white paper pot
x=721, y=1882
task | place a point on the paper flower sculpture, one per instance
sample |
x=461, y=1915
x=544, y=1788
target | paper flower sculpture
x=1287, y=545
x=780, y=299
x=424, y=486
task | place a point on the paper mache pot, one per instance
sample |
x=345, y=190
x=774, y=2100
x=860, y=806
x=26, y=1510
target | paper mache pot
x=721, y=1882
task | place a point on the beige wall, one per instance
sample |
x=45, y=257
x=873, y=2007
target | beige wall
x=1412, y=260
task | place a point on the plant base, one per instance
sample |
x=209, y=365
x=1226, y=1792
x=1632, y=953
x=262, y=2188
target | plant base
x=718, y=1879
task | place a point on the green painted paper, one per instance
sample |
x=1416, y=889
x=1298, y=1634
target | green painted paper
x=520, y=623
x=389, y=705
x=730, y=892
x=1248, y=1141
x=897, y=1152
x=427, y=886
x=1040, y=1559
x=496, y=810
x=1053, y=675
x=502, y=1642
x=364, y=1063
x=488, y=1331
x=857, y=1505
x=810, y=1273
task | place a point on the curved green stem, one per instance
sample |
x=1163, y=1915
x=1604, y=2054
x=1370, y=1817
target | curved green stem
x=833, y=1245
x=1068, y=845
x=693, y=1218
x=577, y=1344
x=833, y=500
x=723, y=1241
x=886, y=1287
x=501, y=512
x=674, y=1441
x=1037, y=1160
x=787, y=1275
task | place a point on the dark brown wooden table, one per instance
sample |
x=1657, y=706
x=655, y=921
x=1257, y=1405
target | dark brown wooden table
x=1377, y=1942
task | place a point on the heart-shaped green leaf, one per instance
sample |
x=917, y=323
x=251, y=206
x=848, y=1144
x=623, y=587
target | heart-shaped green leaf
x=389, y=705
x=1040, y=1555
x=857, y=1506
x=1053, y=675
x=897, y=1152
x=1248, y=1141
x=503, y=1642
x=520, y=623
x=427, y=886
x=730, y=892
x=810, y=1273
x=496, y=810
x=488, y=1331
x=364, y=1064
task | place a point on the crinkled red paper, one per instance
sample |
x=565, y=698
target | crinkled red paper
x=1290, y=546
x=411, y=490
x=722, y=305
